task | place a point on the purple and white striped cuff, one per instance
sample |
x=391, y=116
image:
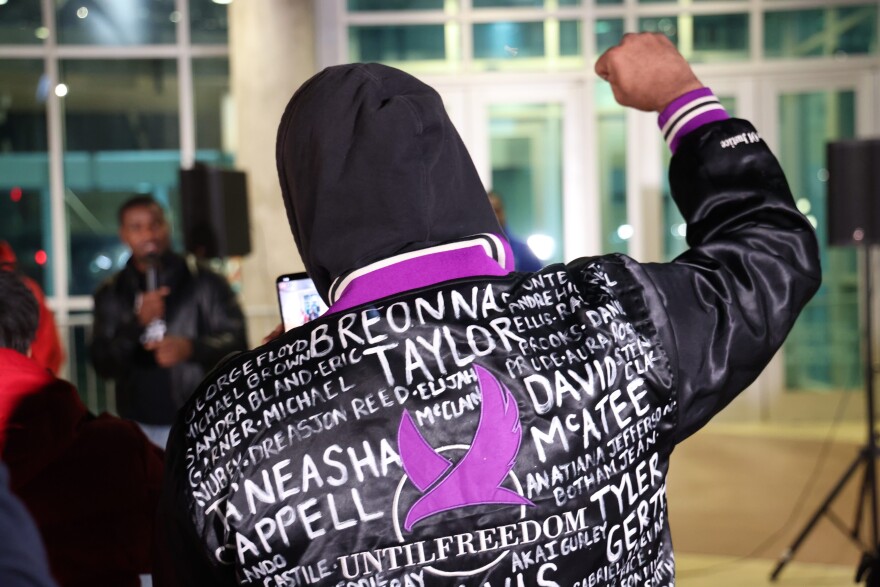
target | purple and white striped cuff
x=689, y=112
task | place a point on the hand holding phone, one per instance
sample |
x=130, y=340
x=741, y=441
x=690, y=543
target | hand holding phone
x=298, y=300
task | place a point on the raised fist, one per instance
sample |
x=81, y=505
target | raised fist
x=646, y=72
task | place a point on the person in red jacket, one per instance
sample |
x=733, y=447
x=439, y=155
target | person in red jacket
x=46, y=348
x=91, y=483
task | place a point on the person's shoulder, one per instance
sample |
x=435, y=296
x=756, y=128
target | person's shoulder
x=230, y=368
x=597, y=262
x=111, y=283
x=613, y=274
x=202, y=271
x=21, y=374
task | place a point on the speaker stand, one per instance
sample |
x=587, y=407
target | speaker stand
x=869, y=567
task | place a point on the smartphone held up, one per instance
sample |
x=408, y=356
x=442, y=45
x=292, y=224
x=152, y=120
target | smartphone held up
x=298, y=300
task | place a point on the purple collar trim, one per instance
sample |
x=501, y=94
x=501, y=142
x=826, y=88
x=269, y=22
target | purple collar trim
x=484, y=254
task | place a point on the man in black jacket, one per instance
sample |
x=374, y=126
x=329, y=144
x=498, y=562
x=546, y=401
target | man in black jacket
x=161, y=323
x=449, y=421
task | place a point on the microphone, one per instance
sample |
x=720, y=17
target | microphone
x=156, y=329
x=152, y=263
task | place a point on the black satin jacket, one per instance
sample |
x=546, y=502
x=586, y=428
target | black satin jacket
x=201, y=307
x=503, y=431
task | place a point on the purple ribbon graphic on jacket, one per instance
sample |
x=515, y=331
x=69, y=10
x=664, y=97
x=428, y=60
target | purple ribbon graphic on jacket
x=477, y=478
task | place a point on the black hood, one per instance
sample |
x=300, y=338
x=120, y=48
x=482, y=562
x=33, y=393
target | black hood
x=371, y=166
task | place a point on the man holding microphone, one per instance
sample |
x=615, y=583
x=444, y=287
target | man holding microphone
x=161, y=323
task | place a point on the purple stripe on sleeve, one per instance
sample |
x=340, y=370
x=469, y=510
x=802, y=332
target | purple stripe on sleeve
x=678, y=119
x=695, y=123
x=682, y=102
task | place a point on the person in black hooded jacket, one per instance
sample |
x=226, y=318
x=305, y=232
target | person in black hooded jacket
x=449, y=421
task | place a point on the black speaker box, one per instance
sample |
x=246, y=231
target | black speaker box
x=853, y=192
x=214, y=204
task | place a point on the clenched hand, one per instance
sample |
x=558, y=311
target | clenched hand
x=646, y=72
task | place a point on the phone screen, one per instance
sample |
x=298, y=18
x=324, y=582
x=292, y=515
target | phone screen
x=298, y=299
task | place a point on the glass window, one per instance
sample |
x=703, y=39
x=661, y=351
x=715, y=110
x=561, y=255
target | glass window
x=821, y=31
x=209, y=22
x=508, y=40
x=609, y=31
x=213, y=111
x=516, y=45
x=526, y=154
x=616, y=231
x=368, y=5
x=570, y=38
x=709, y=38
x=121, y=140
x=720, y=37
x=520, y=3
x=21, y=23
x=668, y=25
x=116, y=22
x=24, y=168
x=823, y=351
x=395, y=43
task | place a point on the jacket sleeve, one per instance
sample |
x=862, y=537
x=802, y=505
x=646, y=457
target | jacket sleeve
x=223, y=323
x=115, y=334
x=724, y=307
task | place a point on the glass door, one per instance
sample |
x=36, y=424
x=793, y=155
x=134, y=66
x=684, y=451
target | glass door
x=528, y=144
x=822, y=357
